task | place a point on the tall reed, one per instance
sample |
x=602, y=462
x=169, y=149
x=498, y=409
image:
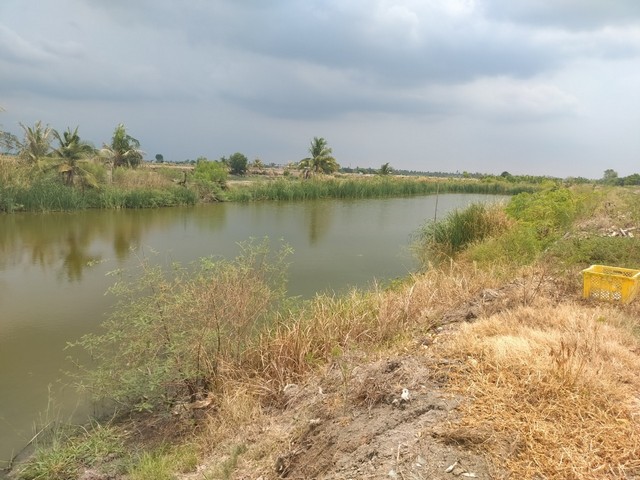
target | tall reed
x=438, y=240
x=368, y=187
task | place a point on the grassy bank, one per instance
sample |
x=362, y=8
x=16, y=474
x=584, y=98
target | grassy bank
x=365, y=187
x=222, y=367
x=40, y=187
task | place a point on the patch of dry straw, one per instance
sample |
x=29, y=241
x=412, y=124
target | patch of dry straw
x=552, y=392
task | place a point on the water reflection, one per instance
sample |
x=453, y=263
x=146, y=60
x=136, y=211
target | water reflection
x=67, y=244
x=318, y=217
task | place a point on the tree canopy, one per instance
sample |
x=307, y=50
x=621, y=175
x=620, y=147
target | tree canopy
x=321, y=160
x=124, y=150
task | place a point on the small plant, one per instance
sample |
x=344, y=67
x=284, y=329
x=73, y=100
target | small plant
x=65, y=450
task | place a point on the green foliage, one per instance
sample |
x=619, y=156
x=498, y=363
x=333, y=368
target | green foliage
x=124, y=150
x=62, y=454
x=37, y=142
x=518, y=245
x=70, y=154
x=9, y=143
x=321, y=160
x=438, y=240
x=210, y=179
x=549, y=210
x=385, y=169
x=376, y=187
x=210, y=171
x=172, y=331
x=238, y=164
x=583, y=252
x=159, y=158
x=610, y=176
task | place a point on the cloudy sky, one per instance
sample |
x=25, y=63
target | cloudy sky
x=549, y=87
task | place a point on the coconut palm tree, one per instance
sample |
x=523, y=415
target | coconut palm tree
x=71, y=153
x=36, y=143
x=321, y=159
x=124, y=150
x=385, y=169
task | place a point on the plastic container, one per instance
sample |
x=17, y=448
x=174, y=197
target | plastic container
x=611, y=284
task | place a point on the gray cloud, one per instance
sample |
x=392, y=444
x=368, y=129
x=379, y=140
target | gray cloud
x=572, y=14
x=209, y=73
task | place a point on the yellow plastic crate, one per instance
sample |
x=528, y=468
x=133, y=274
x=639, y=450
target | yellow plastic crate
x=612, y=284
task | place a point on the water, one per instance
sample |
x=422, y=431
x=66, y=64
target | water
x=54, y=273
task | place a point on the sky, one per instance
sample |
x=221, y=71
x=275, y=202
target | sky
x=541, y=87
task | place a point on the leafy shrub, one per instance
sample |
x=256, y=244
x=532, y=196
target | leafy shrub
x=173, y=332
x=238, y=164
x=211, y=172
x=549, y=210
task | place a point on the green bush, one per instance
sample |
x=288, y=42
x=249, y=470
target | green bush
x=549, y=210
x=173, y=331
x=438, y=240
x=211, y=172
x=518, y=245
x=583, y=252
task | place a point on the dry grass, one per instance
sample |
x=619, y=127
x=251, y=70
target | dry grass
x=130, y=179
x=13, y=171
x=329, y=326
x=552, y=391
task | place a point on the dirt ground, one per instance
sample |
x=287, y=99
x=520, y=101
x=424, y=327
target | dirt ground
x=379, y=434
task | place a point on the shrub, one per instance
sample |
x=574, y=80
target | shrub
x=549, y=210
x=210, y=172
x=445, y=238
x=173, y=332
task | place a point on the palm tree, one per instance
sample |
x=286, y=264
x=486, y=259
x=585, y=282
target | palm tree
x=124, y=149
x=385, y=169
x=37, y=142
x=71, y=152
x=321, y=159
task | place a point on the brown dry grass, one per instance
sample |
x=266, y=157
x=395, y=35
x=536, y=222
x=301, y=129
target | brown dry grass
x=130, y=179
x=13, y=171
x=553, y=391
x=550, y=384
x=330, y=326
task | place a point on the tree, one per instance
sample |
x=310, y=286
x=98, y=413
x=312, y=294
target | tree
x=124, y=150
x=321, y=159
x=210, y=171
x=610, y=176
x=9, y=142
x=238, y=164
x=257, y=165
x=36, y=143
x=71, y=152
x=159, y=158
x=385, y=169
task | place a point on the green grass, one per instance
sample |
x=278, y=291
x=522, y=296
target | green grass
x=375, y=187
x=438, y=240
x=65, y=450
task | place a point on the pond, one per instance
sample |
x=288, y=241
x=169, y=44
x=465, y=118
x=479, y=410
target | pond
x=54, y=274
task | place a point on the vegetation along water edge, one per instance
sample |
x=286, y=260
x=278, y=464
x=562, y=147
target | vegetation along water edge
x=487, y=362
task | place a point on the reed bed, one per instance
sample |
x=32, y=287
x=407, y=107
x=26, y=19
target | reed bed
x=368, y=187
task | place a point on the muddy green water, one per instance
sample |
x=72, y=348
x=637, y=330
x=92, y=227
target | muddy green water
x=54, y=274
